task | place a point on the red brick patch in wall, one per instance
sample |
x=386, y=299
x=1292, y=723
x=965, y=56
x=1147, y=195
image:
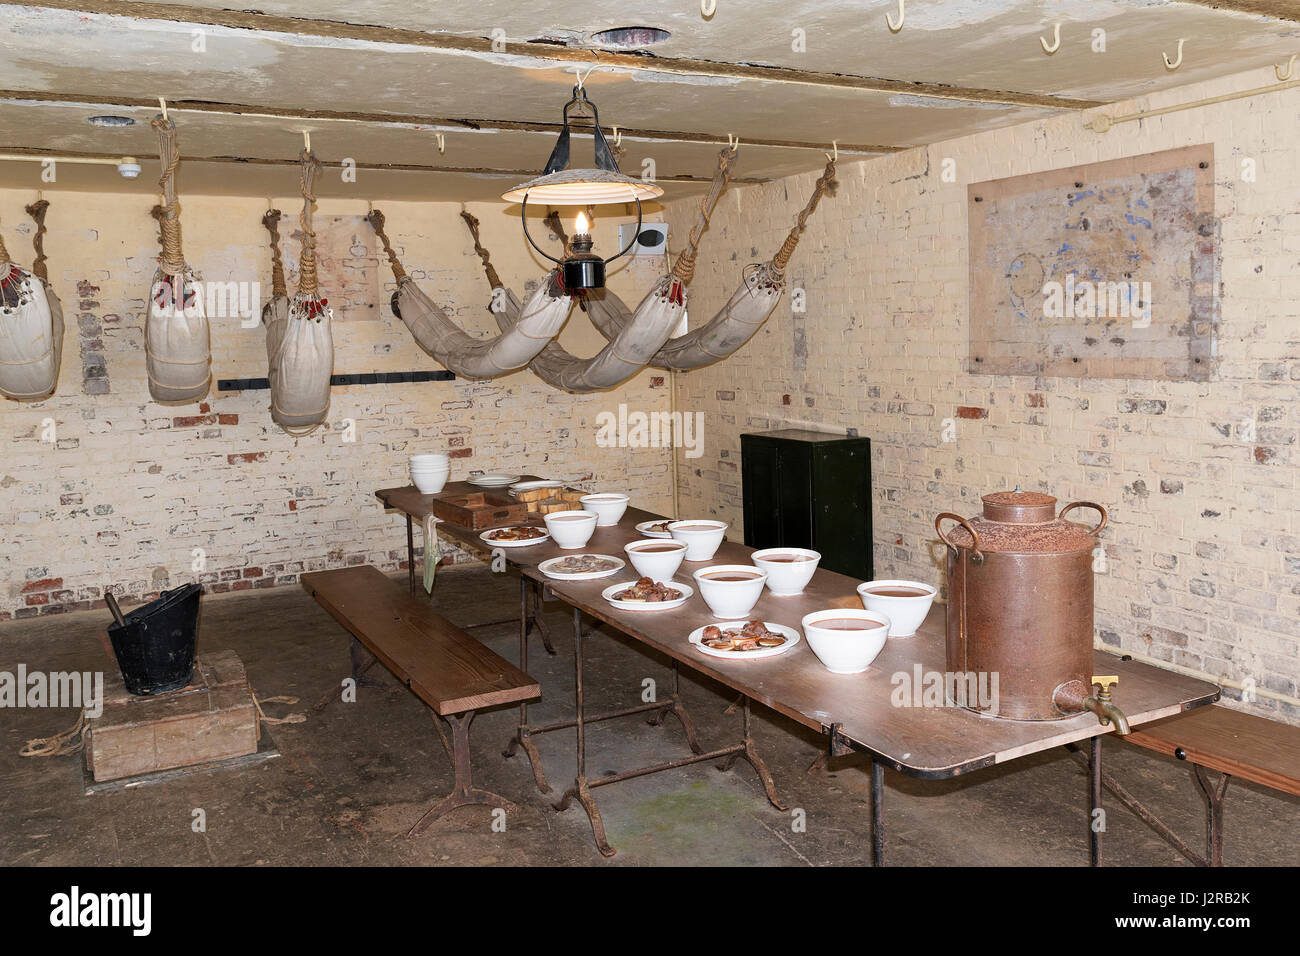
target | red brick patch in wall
x=191, y=421
x=1036, y=400
x=969, y=411
x=250, y=457
x=44, y=584
x=460, y=452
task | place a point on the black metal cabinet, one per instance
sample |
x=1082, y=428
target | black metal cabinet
x=806, y=489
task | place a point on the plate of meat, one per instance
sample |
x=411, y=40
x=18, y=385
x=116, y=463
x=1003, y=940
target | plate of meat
x=646, y=594
x=516, y=536
x=581, y=567
x=655, y=529
x=752, y=640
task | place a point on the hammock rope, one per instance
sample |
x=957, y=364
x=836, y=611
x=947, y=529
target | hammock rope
x=376, y=220
x=168, y=214
x=307, y=260
x=684, y=268
x=826, y=184
x=271, y=220
x=494, y=280
x=37, y=211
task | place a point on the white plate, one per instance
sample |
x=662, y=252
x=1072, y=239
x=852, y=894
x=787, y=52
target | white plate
x=493, y=480
x=546, y=536
x=545, y=566
x=530, y=485
x=644, y=528
x=789, y=633
x=609, y=592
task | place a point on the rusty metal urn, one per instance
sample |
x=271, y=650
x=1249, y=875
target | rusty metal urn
x=1020, y=603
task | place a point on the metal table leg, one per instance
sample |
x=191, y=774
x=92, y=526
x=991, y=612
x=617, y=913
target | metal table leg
x=1213, y=794
x=410, y=555
x=522, y=736
x=877, y=813
x=1096, y=821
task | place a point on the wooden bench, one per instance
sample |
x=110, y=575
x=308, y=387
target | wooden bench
x=1227, y=741
x=454, y=674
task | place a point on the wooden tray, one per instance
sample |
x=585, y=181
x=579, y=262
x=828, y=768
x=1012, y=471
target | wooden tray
x=478, y=510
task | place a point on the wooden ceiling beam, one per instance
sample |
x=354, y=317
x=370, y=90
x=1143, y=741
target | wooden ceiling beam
x=641, y=62
x=247, y=109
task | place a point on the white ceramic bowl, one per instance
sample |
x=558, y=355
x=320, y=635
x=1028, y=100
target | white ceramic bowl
x=846, y=651
x=905, y=613
x=787, y=577
x=570, y=529
x=659, y=565
x=607, y=506
x=429, y=483
x=430, y=461
x=730, y=599
x=701, y=536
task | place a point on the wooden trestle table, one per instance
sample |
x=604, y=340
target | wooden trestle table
x=857, y=712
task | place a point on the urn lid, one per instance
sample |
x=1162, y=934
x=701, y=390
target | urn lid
x=1024, y=522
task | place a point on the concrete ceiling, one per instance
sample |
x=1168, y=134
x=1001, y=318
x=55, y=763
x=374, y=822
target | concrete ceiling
x=376, y=82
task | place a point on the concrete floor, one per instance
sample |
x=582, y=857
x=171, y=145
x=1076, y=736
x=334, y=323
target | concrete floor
x=355, y=777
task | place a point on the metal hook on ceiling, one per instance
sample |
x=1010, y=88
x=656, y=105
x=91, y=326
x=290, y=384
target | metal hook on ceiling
x=902, y=15
x=1056, y=41
x=834, y=155
x=306, y=140
x=708, y=8
x=162, y=102
x=733, y=142
x=442, y=142
x=1290, y=69
x=618, y=138
x=1178, y=61
x=582, y=77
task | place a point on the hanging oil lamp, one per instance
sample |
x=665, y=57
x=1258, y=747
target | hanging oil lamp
x=581, y=268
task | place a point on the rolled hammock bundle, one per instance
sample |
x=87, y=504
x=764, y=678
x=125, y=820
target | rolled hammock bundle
x=275, y=314
x=636, y=337
x=31, y=323
x=178, y=352
x=744, y=313
x=302, y=361
x=538, y=321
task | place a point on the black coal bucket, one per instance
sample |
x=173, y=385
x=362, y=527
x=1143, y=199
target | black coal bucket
x=154, y=644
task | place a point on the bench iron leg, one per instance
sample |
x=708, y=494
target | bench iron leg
x=535, y=618
x=676, y=707
x=463, y=792
x=1095, y=820
x=1213, y=794
x=877, y=813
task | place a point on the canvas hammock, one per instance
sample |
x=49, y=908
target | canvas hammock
x=299, y=349
x=31, y=323
x=537, y=323
x=744, y=313
x=178, y=353
x=639, y=335
x=275, y=314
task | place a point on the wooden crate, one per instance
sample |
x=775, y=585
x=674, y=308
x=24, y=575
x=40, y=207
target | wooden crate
x=478, y=510
x=212, y=719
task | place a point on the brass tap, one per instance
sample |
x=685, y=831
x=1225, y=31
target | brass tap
x=1101, y=705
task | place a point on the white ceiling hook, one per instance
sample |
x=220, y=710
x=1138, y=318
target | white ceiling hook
x=708, y=8
x=902, y=15
x=442, y=142
x=582, y=77
x=306, y=140
x=1056, y=41
x=163, y=103
x=618, y=138
x=834, y=155
x=1178, y=61
x=1290, y=69
x=733, y=142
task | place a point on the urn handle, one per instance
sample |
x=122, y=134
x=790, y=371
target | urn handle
x=976, y=555
x=1088, y=504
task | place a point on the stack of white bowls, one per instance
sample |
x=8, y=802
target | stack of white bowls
x=429, y=472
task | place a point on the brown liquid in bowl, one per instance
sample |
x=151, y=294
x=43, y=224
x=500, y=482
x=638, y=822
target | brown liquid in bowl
x=730, y=576
x=846, y=624
x=899, y=591
x=658, y=547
